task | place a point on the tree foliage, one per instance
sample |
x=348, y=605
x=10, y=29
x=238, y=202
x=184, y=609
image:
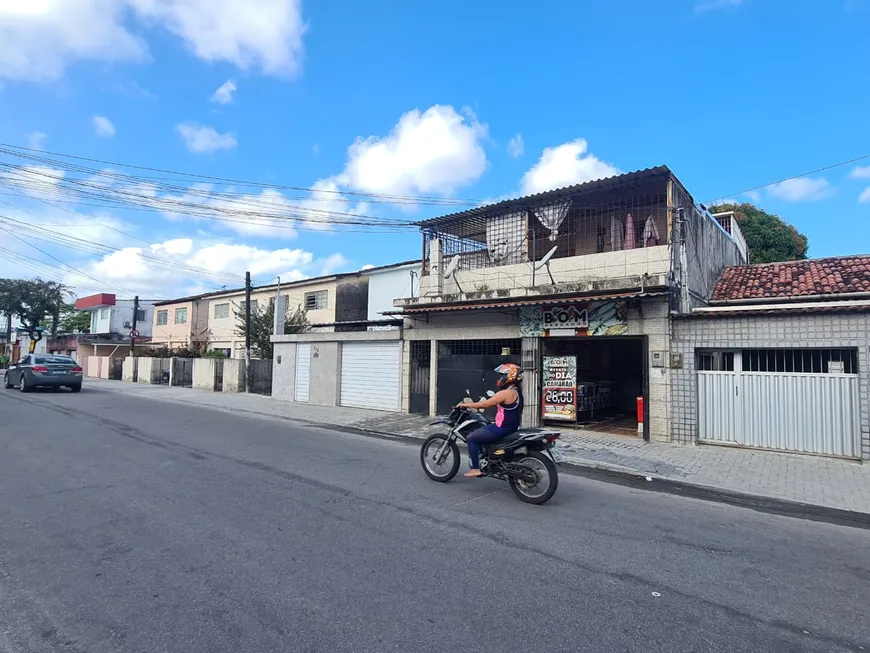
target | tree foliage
x=32, y=301
x=262, y=320
x=73, y=321
x=770, y=238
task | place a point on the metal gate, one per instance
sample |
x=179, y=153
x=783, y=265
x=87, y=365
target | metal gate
x=261, y=376
x=810, y=413
x=161, y=371
x=182, y=372
x=421, y=365
x=467, y=365
x=303, y=369
x=360, y=388
x=116, y=373
x=218, y=374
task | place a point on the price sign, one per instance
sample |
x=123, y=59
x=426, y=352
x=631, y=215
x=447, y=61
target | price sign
x=560, y=388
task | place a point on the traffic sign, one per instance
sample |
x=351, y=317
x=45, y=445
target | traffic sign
x=134, y=333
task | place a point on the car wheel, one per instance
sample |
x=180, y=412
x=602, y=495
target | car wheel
x=6, y=383
x=76, y=388
x=22, y=384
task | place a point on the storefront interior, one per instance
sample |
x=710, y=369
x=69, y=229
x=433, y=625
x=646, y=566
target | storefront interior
x=609, y=379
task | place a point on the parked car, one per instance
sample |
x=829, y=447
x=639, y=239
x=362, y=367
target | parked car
x=44, y=371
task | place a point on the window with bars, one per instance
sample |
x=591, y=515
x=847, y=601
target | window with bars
x=479, y=347
x=162, y=318
x=315, y=301
x=140, y=315
x=255, y=304
x=181, y=316
x=716, y=361
x=798, y=361
x=802, y=361
x=222, y=311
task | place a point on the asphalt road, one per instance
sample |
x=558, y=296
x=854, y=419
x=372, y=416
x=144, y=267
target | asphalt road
x=129, y=524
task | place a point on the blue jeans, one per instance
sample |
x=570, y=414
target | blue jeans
x=484, y=435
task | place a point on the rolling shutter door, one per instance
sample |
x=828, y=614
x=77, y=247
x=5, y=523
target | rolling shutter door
x=371, y=375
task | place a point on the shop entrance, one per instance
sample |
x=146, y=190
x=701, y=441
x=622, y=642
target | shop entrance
x=594, y=382
x=468, y=365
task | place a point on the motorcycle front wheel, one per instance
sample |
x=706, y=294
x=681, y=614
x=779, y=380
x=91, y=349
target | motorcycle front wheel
x=440, y=462
x=546, y=474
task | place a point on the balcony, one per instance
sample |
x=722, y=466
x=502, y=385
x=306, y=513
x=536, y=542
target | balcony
x=603, y=236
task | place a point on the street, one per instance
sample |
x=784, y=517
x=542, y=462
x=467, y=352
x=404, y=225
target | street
x=133, y=524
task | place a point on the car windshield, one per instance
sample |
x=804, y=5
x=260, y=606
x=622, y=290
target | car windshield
x=48, y=360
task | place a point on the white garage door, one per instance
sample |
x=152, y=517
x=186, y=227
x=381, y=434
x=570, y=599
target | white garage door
x=303, y=371
x=371, y=375
x=805, y=400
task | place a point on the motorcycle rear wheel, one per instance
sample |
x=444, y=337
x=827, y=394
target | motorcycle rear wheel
x=448, y=466
x=537, y=462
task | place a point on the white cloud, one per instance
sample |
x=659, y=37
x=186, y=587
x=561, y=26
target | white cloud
x=265, y=35
x=36, y=140
x=368, y=266
x=753, y=195
x=224, y=95
x=437, y=151
x=103, y=127
x=565, y=165
x=332, y=264
x=864, y=197
x=201, y=139
x=860, y=172
x=801, y=189
x=515, y=146
x=715, y=5
x=41, y=38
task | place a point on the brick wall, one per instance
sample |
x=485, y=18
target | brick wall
x=796, y=331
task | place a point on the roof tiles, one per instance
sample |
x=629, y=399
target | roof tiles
x=826, y=276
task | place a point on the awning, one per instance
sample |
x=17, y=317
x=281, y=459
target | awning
x=523, y=301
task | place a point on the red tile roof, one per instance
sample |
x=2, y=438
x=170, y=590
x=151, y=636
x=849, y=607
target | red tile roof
x=824, y=276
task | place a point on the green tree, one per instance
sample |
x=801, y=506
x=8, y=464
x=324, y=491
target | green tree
x=770, y=238
x=262, y=320
x=33, y=301
x=73, y=321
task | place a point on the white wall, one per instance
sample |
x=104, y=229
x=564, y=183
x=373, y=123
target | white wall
x=390, y=284
x=120, y=313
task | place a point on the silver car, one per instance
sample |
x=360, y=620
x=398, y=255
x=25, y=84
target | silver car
x=44, y=371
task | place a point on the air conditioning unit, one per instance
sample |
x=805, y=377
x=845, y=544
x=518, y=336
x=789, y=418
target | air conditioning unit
x=128, y=325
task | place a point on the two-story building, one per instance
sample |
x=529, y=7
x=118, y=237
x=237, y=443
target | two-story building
x=578, y=285
x=332, y=304
x=112, y=321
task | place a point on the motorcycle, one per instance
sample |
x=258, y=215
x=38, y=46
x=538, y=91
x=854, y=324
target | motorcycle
x=526, y=459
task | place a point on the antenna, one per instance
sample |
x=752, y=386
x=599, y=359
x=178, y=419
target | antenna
x=451, y=271
x=545, y=263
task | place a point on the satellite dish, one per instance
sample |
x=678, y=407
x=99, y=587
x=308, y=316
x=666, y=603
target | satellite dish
x=451, y=271
x=451, y=267
x=545, y=263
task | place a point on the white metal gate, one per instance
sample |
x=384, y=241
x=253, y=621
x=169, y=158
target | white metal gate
x=811, y=413
x=371, y=375
x=303, y=372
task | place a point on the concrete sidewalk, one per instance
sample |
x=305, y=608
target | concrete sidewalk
x=822, y=483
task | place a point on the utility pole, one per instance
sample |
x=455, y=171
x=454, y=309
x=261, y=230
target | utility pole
x=133, y=332
x=248, y=368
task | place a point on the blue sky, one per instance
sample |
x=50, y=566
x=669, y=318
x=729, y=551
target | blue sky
x=447, y=99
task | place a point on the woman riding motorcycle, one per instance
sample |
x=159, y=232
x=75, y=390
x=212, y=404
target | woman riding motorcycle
x=509, y=400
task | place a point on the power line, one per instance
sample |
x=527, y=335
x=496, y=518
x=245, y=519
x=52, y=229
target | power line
x=16, y=150
x=803, y=174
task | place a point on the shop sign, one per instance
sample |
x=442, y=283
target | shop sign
x=606, y=318
x=560, y=388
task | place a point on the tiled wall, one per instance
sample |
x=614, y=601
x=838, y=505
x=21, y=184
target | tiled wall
x=796, y=331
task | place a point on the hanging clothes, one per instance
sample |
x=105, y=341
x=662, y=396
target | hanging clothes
x=616, y=239
x=650, y=233
x=629, y=232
